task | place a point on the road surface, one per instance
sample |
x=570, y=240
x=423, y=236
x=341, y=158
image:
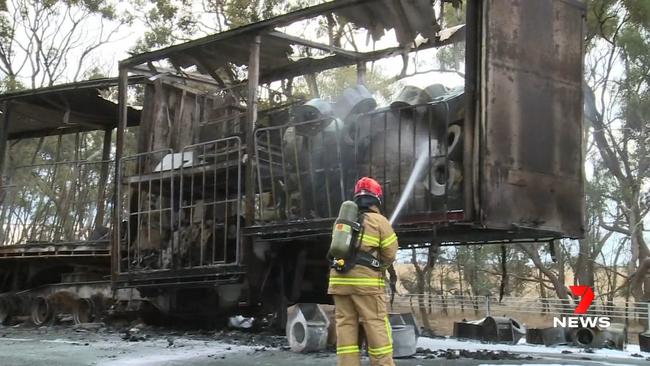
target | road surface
x=53, y=346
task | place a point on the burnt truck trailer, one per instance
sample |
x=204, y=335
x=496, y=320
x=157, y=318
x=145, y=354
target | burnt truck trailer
x=56, y=200
x=227, y=185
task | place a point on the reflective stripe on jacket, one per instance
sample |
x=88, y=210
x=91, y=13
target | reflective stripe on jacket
x=380, y=240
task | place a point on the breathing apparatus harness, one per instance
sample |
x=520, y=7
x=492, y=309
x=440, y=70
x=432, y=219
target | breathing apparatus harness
x=354, y=255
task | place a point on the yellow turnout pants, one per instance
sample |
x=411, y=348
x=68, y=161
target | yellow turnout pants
x=372, y=311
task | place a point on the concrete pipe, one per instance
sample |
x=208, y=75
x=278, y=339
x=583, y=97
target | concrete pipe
x=518, y=331
x=435, y=91
x=353, y=101
x=553, y=336
x=404, y=340
x=408, y=96
x=502, y=330
x=535, y=336
x=547, y=336
x=644, y=341
x=83, y=311
x=317, y=112
x=455, y=142
x=405, y=319
x=583, y=337
x=468, y=330
x=612, y=337
x=438, y=173
x=41, y=311
x=307, y=328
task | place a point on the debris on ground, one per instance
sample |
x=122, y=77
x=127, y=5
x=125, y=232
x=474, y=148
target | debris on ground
x=240, y=322
x=451, y=354
x=133, y=335
x=261, y=339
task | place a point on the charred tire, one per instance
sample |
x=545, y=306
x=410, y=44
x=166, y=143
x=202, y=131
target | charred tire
x=584, y=337
x=7, y=309
x=42, y=312
x=84, y=311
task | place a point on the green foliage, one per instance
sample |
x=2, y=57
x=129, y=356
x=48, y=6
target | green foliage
x=450, y=57
x=173, y=21
x=242, y=12
x=639, y=11
x=9, y=84
x=94, y=73
x=602, y=19
x=332, y=82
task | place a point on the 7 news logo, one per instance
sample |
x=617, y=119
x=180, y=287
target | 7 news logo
x=586, y=295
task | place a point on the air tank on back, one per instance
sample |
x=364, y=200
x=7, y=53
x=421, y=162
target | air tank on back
x=343, y=231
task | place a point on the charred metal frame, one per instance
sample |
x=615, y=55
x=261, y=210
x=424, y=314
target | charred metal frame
x=269, y=167
x=314, y=176
x=54, y=227
x=256, y=174
x=186, y=191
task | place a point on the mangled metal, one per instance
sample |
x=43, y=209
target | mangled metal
x=491, y=329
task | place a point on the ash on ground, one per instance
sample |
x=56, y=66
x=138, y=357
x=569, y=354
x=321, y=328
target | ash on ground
x=453, y=354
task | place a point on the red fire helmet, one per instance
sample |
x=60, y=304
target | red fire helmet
x=368, y=186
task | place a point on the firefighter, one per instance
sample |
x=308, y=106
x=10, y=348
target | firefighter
x=359, y=291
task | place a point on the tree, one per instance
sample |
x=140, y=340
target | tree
x=174, y=21
x=423, y=278
x=618, y=106
x=45, y=42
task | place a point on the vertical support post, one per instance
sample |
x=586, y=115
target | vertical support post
x=123, y=85
x=361, y=73
x=251, y=113
x=472, y=65
x=103, y=177
x=487, y=305
x=256, y=283
x=4, y=133
x=647, y=318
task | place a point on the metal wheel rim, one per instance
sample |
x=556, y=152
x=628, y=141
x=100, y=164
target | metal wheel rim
x=41, y=311
x=84, y=311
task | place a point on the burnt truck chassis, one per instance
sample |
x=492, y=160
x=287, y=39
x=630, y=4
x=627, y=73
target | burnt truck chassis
x=226, y=216
x=514, y=187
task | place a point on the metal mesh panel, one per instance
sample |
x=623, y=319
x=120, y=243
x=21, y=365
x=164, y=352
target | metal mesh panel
x=60, y=202
x=210, y=210
x=183, y=210
x=305, y=170
x=146, y=210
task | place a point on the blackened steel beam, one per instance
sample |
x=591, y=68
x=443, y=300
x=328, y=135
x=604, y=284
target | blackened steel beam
x=317, y=45
x=472, y=64
x=4, y=133
x=251, y=112
x=254, y=28
x=123, y=85
x=103, y=178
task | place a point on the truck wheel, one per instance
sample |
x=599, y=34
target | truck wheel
x=42, y=312
x=6, y=310
x=84, y=311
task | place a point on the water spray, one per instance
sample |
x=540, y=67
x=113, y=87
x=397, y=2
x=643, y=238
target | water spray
x=410, y=184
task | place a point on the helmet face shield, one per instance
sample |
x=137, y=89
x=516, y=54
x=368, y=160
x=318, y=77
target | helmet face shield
x=367, y=200
x=368, y=187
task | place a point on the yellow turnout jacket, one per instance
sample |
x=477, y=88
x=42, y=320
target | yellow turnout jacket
x=378, y=239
